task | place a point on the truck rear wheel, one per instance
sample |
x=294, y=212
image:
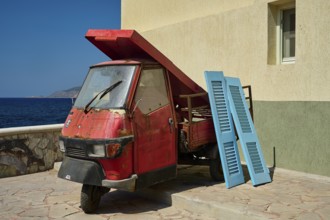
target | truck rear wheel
x=90, y=197
x=216, y=169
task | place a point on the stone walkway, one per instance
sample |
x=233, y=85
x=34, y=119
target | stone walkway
x=192, y=195
x=291, y=195
x=44, y=196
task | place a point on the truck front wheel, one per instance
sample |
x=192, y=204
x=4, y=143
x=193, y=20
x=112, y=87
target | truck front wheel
x=91, y=196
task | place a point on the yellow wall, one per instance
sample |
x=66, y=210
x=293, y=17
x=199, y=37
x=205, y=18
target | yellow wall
x=146, y=15
x=291, y=101
x=232, y=36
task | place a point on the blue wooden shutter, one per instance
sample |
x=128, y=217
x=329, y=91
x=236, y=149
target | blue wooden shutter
x=230, y=160
x=258, y=170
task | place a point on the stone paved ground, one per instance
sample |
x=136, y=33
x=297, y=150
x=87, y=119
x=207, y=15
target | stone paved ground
x=192, y=195
x=44, y=196
x=291, y=195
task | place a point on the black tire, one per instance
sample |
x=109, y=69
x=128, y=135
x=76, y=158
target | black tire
x=216, y=170
x=90, y=197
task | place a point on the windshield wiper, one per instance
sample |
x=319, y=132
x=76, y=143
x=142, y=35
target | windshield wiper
x=103, y=93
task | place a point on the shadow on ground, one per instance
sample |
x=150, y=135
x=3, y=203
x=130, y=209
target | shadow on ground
x=127, y=202
x=158, y=196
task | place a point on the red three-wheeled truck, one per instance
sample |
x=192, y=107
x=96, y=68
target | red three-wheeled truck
x=135, y=119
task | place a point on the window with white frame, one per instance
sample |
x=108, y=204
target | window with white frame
x=281, y=32
x=288, y=35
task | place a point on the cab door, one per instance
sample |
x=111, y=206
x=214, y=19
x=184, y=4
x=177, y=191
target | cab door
x=155, y=146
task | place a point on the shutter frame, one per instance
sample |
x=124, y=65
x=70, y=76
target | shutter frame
x=259, y=173
x=224, y=128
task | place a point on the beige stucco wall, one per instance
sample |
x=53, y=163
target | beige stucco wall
x=144, y=15
x=239, y=37
x=232, y=36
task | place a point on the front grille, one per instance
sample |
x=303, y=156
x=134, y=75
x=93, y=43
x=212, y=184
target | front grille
x=75, y=152
x=75, y=147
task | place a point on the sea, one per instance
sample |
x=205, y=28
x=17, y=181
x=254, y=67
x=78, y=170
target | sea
x=17, y=112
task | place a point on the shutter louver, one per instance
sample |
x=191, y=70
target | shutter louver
x=258, y=170
x=230, y=160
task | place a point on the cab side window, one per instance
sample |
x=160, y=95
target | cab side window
x=151, y=92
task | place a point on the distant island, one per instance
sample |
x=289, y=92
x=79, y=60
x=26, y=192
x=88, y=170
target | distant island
x=69, y=93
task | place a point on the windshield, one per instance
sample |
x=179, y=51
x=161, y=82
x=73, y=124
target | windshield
x=100, y=79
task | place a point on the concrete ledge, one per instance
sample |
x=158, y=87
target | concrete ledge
x=31, y=149
x=57, y=166
x=29, y=129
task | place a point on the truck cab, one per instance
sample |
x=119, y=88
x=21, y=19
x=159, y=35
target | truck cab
x=135, y=119
x=120, y=132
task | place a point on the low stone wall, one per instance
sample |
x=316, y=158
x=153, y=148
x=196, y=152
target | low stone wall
x=25, y=150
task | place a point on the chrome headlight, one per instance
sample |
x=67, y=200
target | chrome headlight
x=97, y=150
x=112, y=150
x=108, y=149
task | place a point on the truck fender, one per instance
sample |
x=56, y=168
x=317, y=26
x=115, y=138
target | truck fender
x=81, y=171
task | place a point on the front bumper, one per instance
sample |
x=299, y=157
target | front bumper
x=128, y=184
x=91, y=173
x=81, y=171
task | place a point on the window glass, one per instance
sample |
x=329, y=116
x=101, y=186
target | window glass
x=106, y=86
x=151, y=93
x=288, y=34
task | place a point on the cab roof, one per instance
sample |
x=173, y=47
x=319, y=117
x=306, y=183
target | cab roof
x=127, y=62
x=129, y=44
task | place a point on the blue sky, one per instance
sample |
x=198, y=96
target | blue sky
x=42, y=43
